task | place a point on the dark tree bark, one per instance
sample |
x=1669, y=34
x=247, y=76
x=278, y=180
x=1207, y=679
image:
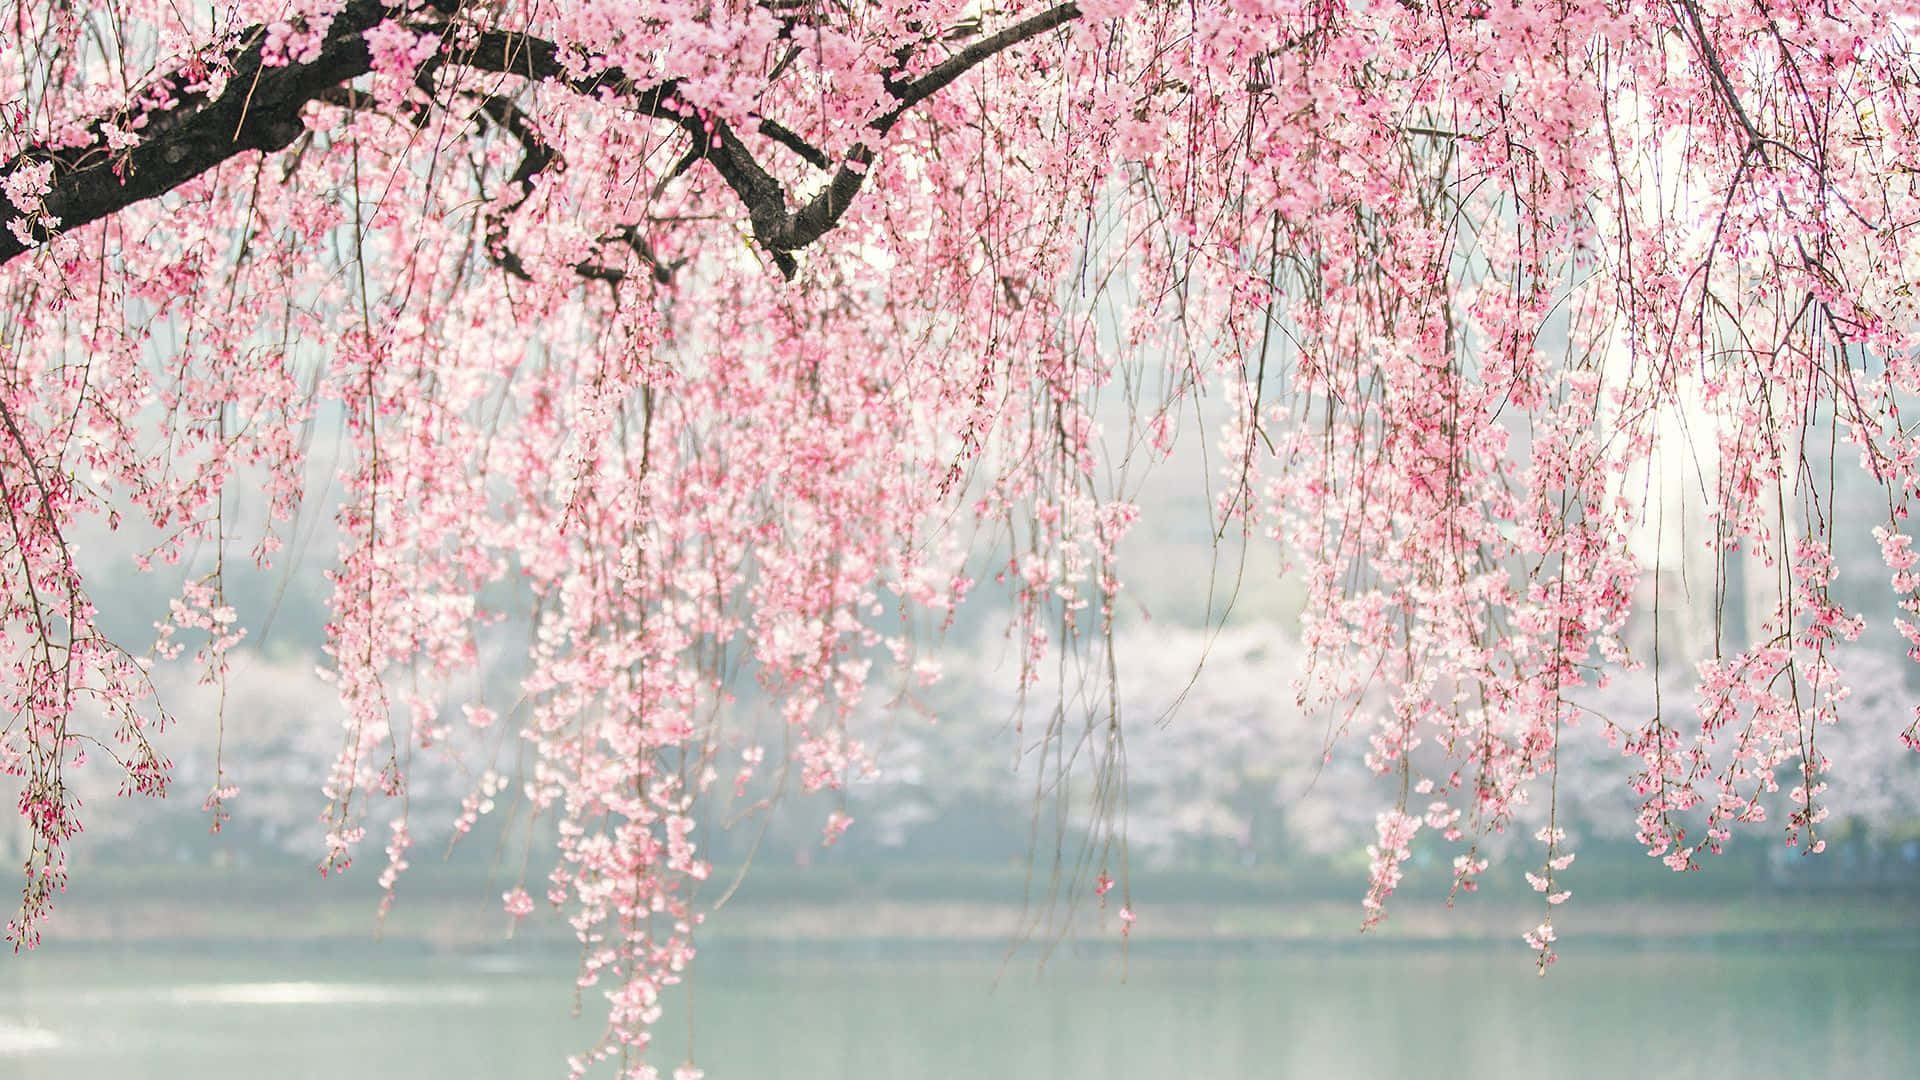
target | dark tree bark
x=260, y=108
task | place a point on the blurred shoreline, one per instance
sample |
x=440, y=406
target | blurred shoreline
x=437, y=908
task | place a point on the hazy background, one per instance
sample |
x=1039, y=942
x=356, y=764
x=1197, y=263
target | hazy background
x=952, y=931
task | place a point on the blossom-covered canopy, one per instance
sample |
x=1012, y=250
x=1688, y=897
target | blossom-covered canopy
x=719, y=333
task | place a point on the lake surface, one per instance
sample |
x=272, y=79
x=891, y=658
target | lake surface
x=911, y=1011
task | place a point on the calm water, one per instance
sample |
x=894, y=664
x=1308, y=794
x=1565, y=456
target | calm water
x=927, y=1012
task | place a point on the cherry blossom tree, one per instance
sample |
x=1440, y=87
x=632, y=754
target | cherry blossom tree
x=717, y=334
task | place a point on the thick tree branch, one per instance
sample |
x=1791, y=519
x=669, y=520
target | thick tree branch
x=260, y=106
x=535, y=59
x=258, y=109
x=790, y=232
x=915, y=91
x=790, y=139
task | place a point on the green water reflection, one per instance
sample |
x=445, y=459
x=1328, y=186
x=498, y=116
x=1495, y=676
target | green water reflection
x=906, y=1012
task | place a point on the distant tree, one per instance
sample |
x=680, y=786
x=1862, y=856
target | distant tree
x=721, y=330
